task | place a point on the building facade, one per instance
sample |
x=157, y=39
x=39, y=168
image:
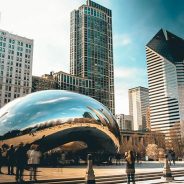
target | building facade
x=138, y=104
x=139, y=140
x=91, y=50
x=70, y=82
x=45, y=82
x=165, y=66
x=125, y=122
x=16, y=56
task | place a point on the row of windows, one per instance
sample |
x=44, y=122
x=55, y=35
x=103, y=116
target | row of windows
x=2, y=44
x=73, y=80
x=19, y=43
x=92, y=12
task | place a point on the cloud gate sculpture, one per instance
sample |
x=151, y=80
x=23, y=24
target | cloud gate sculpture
x=55, y=117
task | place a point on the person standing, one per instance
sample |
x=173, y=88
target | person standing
x=11, y=160
x=1, y=160
x=20, y=162
x=118, y=159
x=34, y=156
x=169, y=156
x=130, y=167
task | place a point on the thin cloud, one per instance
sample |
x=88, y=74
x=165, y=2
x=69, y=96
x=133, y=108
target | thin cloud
x=129, y=73
x=122, y=40
x=48, y=23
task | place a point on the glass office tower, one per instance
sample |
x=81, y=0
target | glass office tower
x=165, y=65
x=91, y=50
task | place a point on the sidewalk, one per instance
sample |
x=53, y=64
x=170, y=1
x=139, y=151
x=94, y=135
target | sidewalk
x=79, y=171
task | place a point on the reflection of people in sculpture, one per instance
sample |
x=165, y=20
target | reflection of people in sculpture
x=63, y=157
x=32, y=131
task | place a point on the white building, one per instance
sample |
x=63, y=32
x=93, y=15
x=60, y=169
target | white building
x=124, y=121
x=16, y=56
x=165, y=66
x=138, y=104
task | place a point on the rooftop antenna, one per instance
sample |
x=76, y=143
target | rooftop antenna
x=165, y=34
x=87, y=2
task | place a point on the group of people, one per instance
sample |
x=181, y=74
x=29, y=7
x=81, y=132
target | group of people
x=21, y=158
x=171, y=156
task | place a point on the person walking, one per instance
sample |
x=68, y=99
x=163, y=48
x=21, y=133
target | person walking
x=1, y=160
x=173, y=156
x=130, y=167
x=34, y=156
x=11, y=160
x=20, y=162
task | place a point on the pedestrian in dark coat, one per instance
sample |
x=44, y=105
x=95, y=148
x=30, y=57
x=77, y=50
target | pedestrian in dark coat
x=130, y=166
x=1, y=160
x=20, y=162
x=11, y=160
x=169, y=156
x=173, y=155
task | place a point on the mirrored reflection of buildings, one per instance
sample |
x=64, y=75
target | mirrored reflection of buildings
x=165, y=66
x=16, y=55
x=138, y=105
x=51, y=118
x=125, y=122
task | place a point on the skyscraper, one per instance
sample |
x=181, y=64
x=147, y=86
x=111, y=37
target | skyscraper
x=165, y=66
x=16, y=55
x=124, y=122
x=91, y=50
x=138, y=104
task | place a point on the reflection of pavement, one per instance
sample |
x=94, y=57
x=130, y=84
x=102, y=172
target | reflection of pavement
x=37, y=135
x=78, y=172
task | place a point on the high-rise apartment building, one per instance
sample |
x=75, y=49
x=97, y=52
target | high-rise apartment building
x=138, y=104
x=16, y=55
x=91, y=50
x=165, y=66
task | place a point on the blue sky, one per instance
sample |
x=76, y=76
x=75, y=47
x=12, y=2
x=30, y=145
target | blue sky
x=134, y=23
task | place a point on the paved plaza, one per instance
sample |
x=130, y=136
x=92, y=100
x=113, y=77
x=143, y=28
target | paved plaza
x=79, y=172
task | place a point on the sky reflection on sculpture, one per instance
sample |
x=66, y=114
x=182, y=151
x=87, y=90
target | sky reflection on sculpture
x=52, y=105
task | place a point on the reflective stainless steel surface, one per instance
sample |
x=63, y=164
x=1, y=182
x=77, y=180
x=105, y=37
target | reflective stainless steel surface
x=55, y=117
